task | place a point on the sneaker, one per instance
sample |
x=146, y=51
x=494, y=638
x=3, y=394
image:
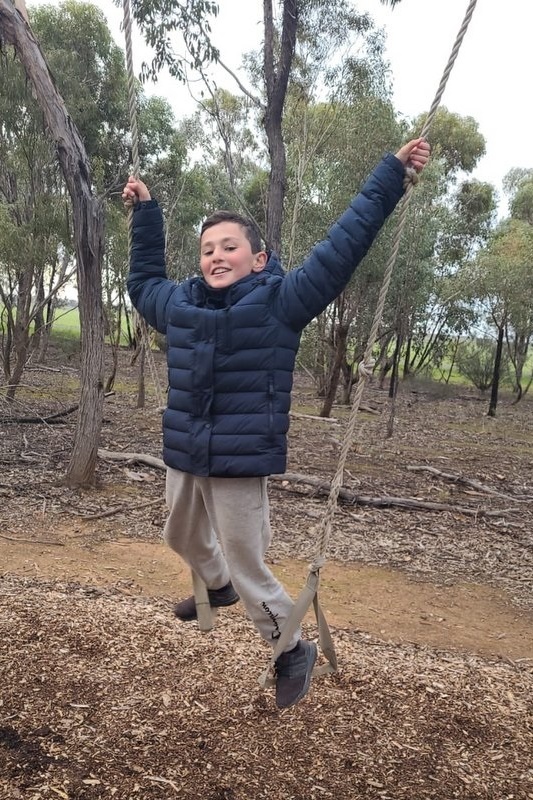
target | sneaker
x=293, y=673
x=226, y=596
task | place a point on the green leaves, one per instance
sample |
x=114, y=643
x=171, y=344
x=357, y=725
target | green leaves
x=159, y=20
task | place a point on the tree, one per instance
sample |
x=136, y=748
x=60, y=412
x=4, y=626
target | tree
x=475, y=360
x=88, y=222
x=441, y=309
x=33, y=221
x=276, y=77
x=505, y=277
x=91, y=79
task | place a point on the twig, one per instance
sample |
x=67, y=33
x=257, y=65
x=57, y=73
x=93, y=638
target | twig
x=162, y=780
x=117, y=510
x=30, y=541
x=449, y=476
x=50, y=420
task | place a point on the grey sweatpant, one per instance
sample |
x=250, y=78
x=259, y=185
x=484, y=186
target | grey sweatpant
x=221, y=529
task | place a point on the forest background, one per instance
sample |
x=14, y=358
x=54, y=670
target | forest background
x=311, y=112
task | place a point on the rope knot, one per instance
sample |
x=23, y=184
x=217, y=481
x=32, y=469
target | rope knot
x=411, y=177
x=366, y=367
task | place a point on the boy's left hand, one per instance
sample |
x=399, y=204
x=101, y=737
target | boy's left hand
x=415, y=154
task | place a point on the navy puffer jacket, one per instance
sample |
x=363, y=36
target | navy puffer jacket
x=230, y=368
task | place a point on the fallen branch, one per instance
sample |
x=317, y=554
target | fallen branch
x=132, y=458
x=110, y=512
x=51, y=419
x=480, y=487
x=313, y=416
x=386, y=501
x=322, y=487
x=30, y=541
x=362, y=407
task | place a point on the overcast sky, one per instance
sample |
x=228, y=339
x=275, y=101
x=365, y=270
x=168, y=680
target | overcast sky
x=491, y=80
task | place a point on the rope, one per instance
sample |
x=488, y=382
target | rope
x=365, y=369
x=136, y=168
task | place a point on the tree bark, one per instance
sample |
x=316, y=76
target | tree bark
x=89, y=237
x=21, y=332
x=340, y=353
x=496, y=374
x=276, y=77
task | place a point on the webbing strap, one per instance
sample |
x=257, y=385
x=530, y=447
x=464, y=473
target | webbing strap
x=308, y=596
x=204, y=611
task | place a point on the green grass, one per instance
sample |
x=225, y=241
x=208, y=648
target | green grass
x=67, y=321
x=66, y=328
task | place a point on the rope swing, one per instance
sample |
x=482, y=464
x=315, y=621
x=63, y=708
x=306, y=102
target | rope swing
x=309, y=594
x=140, y=324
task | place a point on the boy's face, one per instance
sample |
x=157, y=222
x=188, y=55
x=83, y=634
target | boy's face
x=226, y=255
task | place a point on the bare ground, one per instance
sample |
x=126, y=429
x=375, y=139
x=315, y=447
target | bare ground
x=104, y=695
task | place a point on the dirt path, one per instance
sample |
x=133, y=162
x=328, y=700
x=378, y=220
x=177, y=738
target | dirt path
x=382, y=602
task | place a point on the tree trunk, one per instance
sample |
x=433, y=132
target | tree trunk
x=21, y=335
x=407, y=359
x=88, y=232
x=276, y=79
x=496, y=374
x=393, y=385
x=38, y=322
x=333, y=384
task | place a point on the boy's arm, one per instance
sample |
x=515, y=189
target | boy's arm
x=308, y=290
x=148, y=286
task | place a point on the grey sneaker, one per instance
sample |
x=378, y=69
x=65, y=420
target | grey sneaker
x=293, y=673
x=226, y=596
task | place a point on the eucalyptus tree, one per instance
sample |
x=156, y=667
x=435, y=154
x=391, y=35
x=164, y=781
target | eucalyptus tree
x=34, y=223
x=504, y=273
x=340, y=162
x=444, y=312
x=338, y=122
x=88, y=230
x=430, y=307
x=519, y=186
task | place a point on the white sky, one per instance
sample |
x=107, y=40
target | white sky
x=490, y=81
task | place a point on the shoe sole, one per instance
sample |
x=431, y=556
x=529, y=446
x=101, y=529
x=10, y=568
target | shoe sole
x=312, y=655
x=190, y=618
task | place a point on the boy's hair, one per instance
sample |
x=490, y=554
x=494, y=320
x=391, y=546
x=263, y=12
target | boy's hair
x=250, y=228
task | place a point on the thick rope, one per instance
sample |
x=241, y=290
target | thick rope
x=366, y=367
x=365, y=371
x=136, y=169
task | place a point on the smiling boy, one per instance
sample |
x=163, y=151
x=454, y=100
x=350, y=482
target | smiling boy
x=232, y=339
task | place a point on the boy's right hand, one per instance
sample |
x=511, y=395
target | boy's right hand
x=135, y=190
x=415, y=154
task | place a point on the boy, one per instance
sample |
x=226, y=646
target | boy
x=232, y=337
